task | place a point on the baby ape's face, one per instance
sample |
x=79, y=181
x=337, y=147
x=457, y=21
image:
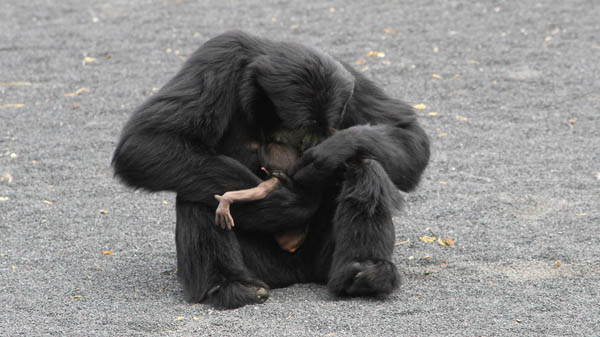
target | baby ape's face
x=300, y=138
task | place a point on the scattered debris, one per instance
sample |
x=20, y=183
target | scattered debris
x=420, y=106
x=76, y=93
x=108, y=252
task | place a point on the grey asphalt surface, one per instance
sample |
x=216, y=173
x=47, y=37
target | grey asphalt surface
x=512, y=103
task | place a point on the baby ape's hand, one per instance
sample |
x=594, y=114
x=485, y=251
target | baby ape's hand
x=223, y=216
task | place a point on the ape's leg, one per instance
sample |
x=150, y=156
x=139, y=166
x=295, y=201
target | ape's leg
x=363, y=233
x=209, y=262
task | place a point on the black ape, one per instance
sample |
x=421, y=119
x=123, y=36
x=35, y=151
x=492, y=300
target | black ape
x=192, y=138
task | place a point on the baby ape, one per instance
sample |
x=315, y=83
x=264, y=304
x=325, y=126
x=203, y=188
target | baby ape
x=192, y=137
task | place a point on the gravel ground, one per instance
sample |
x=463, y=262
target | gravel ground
x=511, y=98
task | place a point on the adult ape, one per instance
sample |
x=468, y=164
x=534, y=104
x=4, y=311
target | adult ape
x=192, y=137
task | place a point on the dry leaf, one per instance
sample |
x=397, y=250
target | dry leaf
x=47, y=202
x=572, y=122
x=461, y=118
x=436, y=76
x=75, y=106
x=375, y=54
x=388, y=31
x=432, y=113
x=427, y=239
x=402, y=242
x=76, y=93
x=420, y=106
x=443, y=134
x=14, y=84
x=164, y=202
x=179, y=318
x=440, y=242
x=88, y=59
x=77, y=297
x=331, y=10
x=103, y=211
x=13, y=155
x=6, y=177
x=386, y=62
x=4, y=198
x=436, y=49
x=443, y=182
x=108, y=252
x=557, y=263
x=18, y=105
x=360, y=62
x=449, y=242
x=195, y=318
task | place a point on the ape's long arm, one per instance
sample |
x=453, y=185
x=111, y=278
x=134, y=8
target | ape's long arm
x=374, y=126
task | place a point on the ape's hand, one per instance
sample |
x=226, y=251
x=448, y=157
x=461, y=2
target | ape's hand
x=284, y=180
x=223, y=216
x=319, y=163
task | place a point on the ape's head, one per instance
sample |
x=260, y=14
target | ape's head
x=307, y=89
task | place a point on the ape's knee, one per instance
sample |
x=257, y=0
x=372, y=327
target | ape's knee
x=366, y=183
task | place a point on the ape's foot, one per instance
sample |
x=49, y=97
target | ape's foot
x=365, y=278
x=234, y=295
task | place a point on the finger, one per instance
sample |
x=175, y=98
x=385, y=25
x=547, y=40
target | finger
x=230, y=221
x=218, y=197
x=222, y=222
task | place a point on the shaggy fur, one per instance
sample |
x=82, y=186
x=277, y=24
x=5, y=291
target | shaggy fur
x=191, y=138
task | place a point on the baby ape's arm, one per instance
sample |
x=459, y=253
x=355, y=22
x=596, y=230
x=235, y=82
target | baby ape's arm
x=223, y=216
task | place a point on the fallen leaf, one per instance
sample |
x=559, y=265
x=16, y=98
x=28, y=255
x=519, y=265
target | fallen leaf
x=331, y=10
x=14, y=84
x=195, y=318
x=6, y=177
x=164, y=202
x=443, y=182
x=581, y=214
x=17, y=105
x=402, y=242
x=108, y=252
x=4, y=198
x=76, y=93
x=13, y=155
x=420, y=106
x=179, y=318
x=360, y=62
x=365, y=68
x=77, y=297
x=386, y=62
x=88, y=59
x=103, y=211
x=461, y=118
x=557, y=263
x=518, y=320
x=440, y=242
x=47, y=202
x=75, y=106
x=436, y=49
x=388, y=31
x=436, y=76
x=273, y=19
x=432, y=113
x=572, y=122
x=443, y=134
x=331, y=334
x=427, y=239
x=375, y=54
x=449, y=242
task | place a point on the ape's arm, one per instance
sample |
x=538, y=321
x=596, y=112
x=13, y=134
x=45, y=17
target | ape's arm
x=373, y=126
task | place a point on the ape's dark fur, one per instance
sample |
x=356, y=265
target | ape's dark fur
x=191, y=136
